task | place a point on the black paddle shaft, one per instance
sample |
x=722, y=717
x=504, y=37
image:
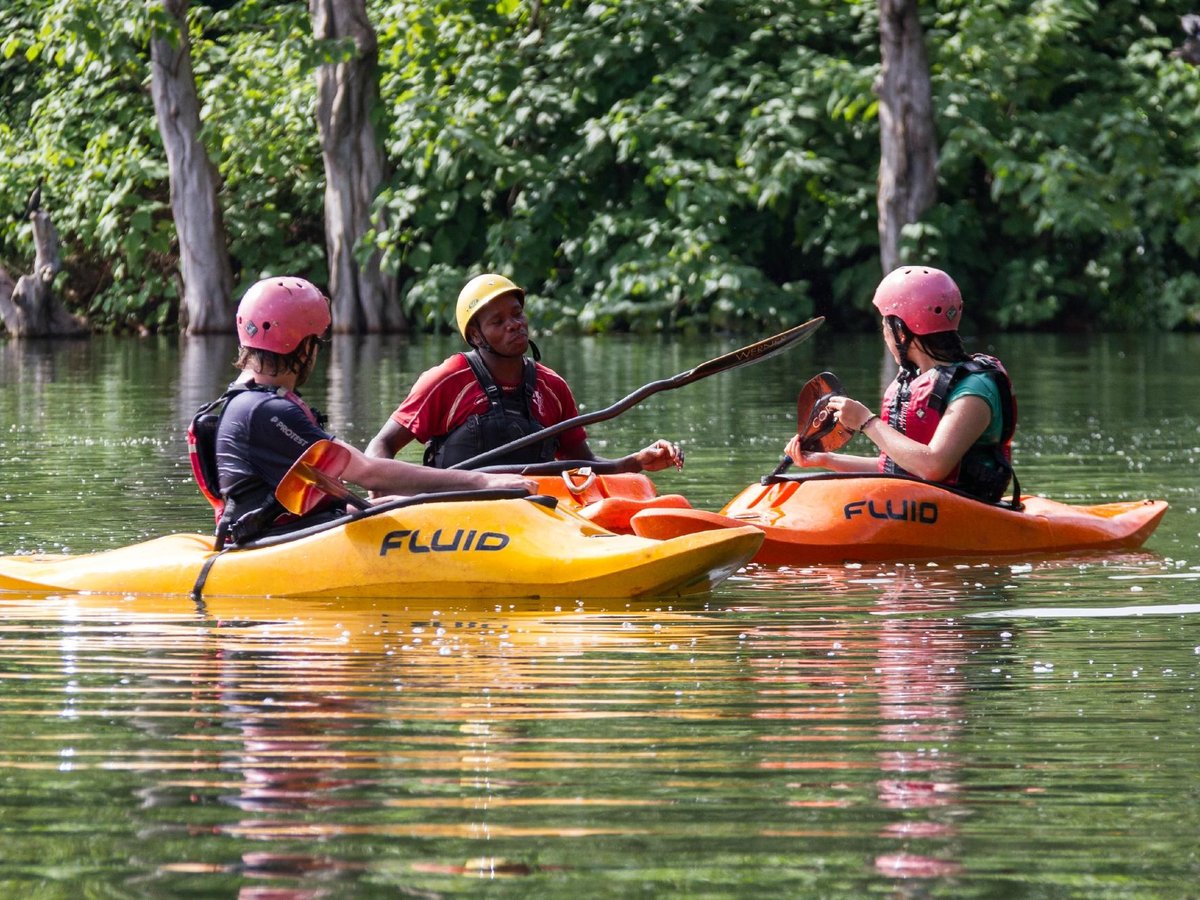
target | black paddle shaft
x=754, y=353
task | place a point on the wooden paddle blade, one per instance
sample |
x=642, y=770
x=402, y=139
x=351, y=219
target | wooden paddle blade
x=315, y=476
x=764, y=349
x=818, y=429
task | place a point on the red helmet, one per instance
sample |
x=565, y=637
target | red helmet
x=925, y=299
x=276, y=314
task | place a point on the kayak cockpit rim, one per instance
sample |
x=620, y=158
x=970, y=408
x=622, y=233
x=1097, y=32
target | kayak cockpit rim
x=768, y=480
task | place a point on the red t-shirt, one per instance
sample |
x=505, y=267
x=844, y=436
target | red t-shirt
x=445, y=396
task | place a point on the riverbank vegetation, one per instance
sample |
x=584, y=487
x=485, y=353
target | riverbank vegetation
x=640, y=164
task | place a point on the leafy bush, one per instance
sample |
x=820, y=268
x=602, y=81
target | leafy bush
x=636, y=164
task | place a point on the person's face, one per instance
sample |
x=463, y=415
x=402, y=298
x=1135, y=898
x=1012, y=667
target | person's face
x=889, y=341
x=503, y=326
x=310, y=363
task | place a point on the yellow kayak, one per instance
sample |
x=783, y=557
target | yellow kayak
x=451, y=547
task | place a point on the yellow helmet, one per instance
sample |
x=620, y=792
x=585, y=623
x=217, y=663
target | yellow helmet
x=480, y=291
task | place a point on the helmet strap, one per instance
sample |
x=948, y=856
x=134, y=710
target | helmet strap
x=484, y=346
x=903, y=338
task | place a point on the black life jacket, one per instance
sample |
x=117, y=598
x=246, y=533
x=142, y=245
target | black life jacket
x=234, y=521
x=508, y=417
x=914, y=404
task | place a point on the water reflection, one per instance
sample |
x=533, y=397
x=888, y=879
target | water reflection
x=33, y=364
x=916, y=729
x=835, y=719
x=205, y=369
x=328, y=723
x=353, y=363
x=922, y=666
x=886, y=668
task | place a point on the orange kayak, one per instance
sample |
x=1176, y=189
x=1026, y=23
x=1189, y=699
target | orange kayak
x=830, y=518
x=609, y=501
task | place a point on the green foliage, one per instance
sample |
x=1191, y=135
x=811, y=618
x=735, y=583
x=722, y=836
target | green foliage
x=80, y=114
x=636, y=164
x=254, y=67
x=77, y=115
x=1069, y=163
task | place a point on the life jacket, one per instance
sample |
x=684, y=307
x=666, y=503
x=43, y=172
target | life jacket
x=508, y=418
x=233, y=522
x=914, y=405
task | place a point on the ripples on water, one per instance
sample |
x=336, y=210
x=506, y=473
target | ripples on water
x=804, y=730
x=1018, y=727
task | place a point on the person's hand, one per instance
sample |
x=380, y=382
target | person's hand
x=511, y=482
x=802, y=458
x=793, y=450
x=378, y=499
x=850, y=413
x=659, y=455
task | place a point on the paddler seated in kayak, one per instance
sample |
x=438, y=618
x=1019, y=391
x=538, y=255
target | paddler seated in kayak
x=244, y=443
x=948, y=416
x=491, y=395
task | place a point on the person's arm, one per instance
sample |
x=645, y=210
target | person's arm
x=424, y=412
x=390, y=440
x=394, y=476
x=653, y=458
x=573, y=443
x=837, y=462
x=961, y=425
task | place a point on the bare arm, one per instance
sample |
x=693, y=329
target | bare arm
x=963, y=422
x=394, y=476
x=838, y=462
x=657, y=456
x=389, y=441
x=961, y=425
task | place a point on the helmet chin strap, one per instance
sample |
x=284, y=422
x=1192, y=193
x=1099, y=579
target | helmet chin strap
x=902, y=344
x=484, y=345
x=310, y=360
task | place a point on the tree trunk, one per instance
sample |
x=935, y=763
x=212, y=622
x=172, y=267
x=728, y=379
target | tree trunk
x=203, y=255
x=907, y=134
x=364, y=298
x=29, y=308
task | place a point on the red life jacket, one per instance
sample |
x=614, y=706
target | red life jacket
x=508, y=418
x=914, y=406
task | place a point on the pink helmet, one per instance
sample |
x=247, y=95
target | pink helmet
x=276, y=314
x=925, y=299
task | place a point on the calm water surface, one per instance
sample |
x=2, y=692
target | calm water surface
x=1015, y=727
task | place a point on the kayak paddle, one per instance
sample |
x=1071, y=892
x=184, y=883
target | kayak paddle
x=819, y=430
x=314, y=476
x=753, y=353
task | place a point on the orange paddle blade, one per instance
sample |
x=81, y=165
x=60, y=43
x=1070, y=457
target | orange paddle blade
x=315, y=476
x=819, y=430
